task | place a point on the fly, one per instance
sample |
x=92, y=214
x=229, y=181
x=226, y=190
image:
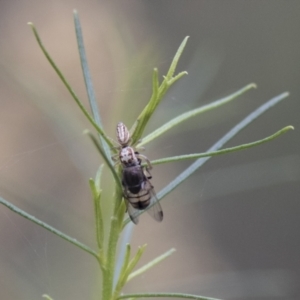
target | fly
x=138, y=190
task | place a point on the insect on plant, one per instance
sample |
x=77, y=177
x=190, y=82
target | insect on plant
x=133, y=181
x=138, y=191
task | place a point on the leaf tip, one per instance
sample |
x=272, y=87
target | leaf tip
x=143, y=247
x=47, y=297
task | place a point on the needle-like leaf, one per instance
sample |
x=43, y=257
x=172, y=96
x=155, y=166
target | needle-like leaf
x=69, y=88
x=48, y=227
x=200, y=161
x=166, y=295
x=192, y=113
x=108, y=162
x=150, y=264
x=88, y=81
x=223, y=151
x=157, y=94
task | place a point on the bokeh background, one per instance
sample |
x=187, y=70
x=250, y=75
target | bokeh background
x=235, y=222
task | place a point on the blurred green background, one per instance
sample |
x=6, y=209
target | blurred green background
x=234, y=223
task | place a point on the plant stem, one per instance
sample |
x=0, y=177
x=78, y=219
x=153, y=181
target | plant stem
x=115, y=229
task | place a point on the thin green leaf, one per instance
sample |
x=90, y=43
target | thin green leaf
x=201, y=161
x=47, y=297
x=125, y=263
x=88, y=80
x=124, y=275
x=223, y=151
x=125, y=238
x=155, y=83
x=136, y=259
x=151, y=264
x=108, y=162
x=192, y=113
x=67, y=85
x=48, y=227
x=176, y=58
x=177, y=77
x=157, y=94
x=95, y=193
x=98, y=177
x=166, y=295
x=98, y=220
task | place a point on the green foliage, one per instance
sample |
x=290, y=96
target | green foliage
x=106, y=252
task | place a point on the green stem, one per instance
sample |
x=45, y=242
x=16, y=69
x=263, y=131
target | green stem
x=48, y=227
x=115, y=229
x=223, y=151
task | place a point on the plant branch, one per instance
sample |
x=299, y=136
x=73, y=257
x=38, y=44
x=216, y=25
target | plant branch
x=158, y=91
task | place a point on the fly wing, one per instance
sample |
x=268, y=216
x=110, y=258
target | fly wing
x=154, y=210
x=132, y=212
